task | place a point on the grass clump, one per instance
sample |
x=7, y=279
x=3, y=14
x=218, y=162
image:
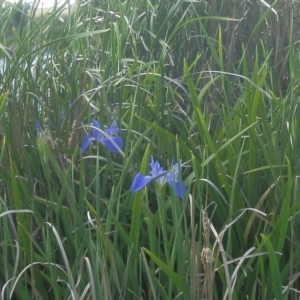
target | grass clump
x=212, y=86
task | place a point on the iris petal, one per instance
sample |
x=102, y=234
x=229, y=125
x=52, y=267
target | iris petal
x=173, y=173
x=95, y=123
x=106, y=138
x=86, y=142
x=173, y=180
x=175, y=169
x=97, y=135
x=113, y=129
x=180, y=189
x=140, y=181
x=110, y=146
x=63, y=113
x=171, y=177
x=38, y=127
x=156, y=169
x=161, y=176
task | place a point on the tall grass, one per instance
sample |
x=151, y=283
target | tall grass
x=211, y=84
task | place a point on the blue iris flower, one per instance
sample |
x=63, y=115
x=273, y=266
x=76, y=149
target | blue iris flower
x=107, y=137
x=161, y=177
x=38, y=127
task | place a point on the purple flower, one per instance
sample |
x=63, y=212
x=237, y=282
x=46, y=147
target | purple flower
x=38, y=127
x=161, y=177
x=107, y=137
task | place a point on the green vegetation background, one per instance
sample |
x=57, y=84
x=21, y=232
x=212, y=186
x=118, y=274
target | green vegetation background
x=213, y=83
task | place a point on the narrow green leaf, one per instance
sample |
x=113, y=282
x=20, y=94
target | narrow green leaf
x=137, y=202
x=274, y=269
x=177, y=280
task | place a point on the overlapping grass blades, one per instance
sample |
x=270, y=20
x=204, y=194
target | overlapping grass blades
x=213, y=84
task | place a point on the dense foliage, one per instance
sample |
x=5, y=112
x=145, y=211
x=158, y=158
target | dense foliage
x=99, y=101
